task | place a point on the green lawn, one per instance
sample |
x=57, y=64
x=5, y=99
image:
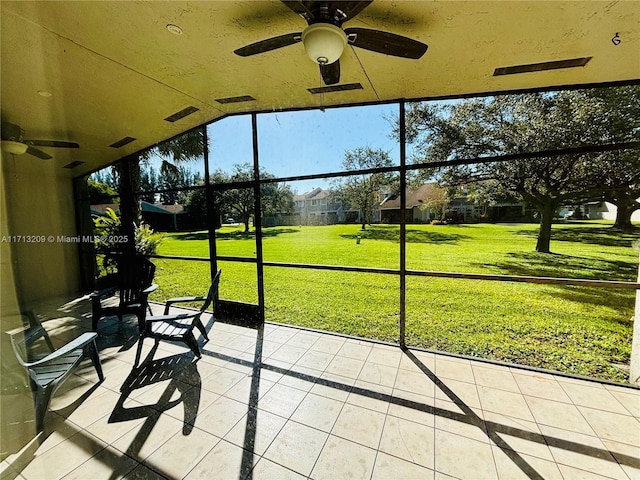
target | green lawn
x=573, y=329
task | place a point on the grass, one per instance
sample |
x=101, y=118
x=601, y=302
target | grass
x=579, y=330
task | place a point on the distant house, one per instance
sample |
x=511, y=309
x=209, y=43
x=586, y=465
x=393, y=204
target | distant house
x=320, y=207
x=157, y=216
x=420, y=206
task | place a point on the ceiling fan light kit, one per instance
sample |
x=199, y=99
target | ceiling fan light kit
x=324, y=39
x=14, y=148
x=323, y=42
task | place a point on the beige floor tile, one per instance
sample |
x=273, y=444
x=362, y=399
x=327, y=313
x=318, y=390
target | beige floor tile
x=316, y=360
x=318, y=412
x=630, y=399
x=573, y=473
x=256, y=431
x=456, y=391
x=408, y=440
x=223, y=461
x=345, y=460
x=518, y=466
x=267, y=470
x=498, y=378
x=333, y=386
x=593, y=395
x=143, y=473
x=604, y=464
x=384, y=355
x=282, y=400
x=359, y=425
x=288, y=353
x=557, y=414
x=388, y=467
x=346, y=367
x=353, y=350
x=539, y=385
x=142, y=441
x=108, y=464
x=519, y=435
x=462, y=457
x=179, y=454
x=221, y=416
x=414, y=382
x=371, y=396
x=327, y=344
x=613, y=426
x=281, y=334
x=222, y=380
x=242, y=391
x=454, y=369
x=378, y=374
x=303, y=339
x=299, y=380
x=63, y=458
x=297, y=447
x=628, y=457
x=109, y=428
x=469, y=426
x=92, y=409
x=504, y=402
x=416, y=408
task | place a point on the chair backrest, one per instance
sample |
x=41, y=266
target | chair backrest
x=134, y=276
x=28, y=342
x=213, y=291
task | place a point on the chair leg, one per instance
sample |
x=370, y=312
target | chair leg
x=139, y=352
x=92, y=350
x=200, y=327
x=192, y=343
x=43, y=396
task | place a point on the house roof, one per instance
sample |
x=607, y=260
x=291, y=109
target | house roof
x=114, y=71
x=415, y=197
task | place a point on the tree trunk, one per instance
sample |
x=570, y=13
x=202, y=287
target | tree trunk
x=623, y=216
x=544, y=235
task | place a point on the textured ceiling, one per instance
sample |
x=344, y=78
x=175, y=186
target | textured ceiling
x=114, y=70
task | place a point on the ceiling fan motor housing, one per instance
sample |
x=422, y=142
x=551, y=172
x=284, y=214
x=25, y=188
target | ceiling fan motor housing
x=323, y=42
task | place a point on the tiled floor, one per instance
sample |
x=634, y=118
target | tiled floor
x=280, y=403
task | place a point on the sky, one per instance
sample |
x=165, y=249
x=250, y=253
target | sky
x=304, y=142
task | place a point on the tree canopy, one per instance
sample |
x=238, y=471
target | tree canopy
x=515, y=124
x=361, y=191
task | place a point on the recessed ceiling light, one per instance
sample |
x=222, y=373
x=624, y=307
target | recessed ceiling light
x=175, y=29
x=44, y=93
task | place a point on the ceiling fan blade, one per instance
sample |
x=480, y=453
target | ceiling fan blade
x=350, y=9
x=38, y=153
x=330, y=73
x=11, y=131
x=299, y=8
x=52, y=143
x=385, y=42
x=269, y=44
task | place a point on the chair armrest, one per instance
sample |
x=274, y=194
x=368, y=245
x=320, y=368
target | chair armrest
x=168, y=318
x=151, y=288
x=171, y=301
x=80, y=342
x=101, y=293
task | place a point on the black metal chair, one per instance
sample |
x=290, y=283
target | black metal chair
x=49, y=368
x=134, y=283
x=179, y=327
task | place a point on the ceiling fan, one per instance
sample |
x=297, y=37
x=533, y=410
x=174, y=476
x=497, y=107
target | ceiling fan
x=324, y=39
x=13, y=142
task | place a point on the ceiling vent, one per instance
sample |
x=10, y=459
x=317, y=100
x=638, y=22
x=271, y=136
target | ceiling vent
x=539, y=67
x=75, y=164
x=122, y=142
x=181, y=114
x=242, y=98
x=336, y=88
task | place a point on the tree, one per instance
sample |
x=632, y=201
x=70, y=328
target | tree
x=362, y=190
x=100, y=192
x=148, y=183
x=239, y=202
x=515, y=124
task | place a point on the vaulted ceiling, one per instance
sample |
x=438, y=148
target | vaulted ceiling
x=114, y=70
